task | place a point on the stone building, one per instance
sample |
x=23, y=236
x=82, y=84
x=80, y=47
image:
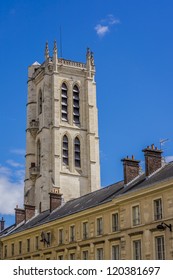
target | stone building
x=62, y=144
x=66, y=214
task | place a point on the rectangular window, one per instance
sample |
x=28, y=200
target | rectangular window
x=157, y=209
x=85, y=255
x=28, y=245
x=60, y=257
x=99, y=253
x=72, y=256
x=115, y=222
x=48, y=238
x=36, y=243
x=85, y=230
x=20, y=247
x=136, y=215
x=115, y=252
x=137, y=250
x=5, y=251
x=72, y=233
x=160, y=248
x=12, y=249
x=99, y=226
x=61, y=236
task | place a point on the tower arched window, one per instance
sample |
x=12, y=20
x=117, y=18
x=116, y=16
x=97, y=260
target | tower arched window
x=65, y=158
x=40, y=102
x=64, y=102
x=38, y=153
x=77, y=152
x=76, y=109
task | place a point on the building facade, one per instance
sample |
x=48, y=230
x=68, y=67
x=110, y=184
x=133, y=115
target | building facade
x=66, y=214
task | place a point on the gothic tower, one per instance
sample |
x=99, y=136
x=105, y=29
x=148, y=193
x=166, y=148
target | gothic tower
x=62, y=144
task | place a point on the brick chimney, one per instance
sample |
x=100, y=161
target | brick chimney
x=131, y=169
x=19, y=215
x=55, y=198
x=2, y=223
x=29, y=211
x=153, y=159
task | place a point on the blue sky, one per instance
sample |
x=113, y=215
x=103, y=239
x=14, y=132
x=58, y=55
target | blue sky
x=132, y=43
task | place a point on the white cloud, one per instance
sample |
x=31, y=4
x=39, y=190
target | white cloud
x=14, y=163
x=105, y=24
x=169, y=158
x=20, y=152
x=11, y=189
x=112, y=20
x=101, y=30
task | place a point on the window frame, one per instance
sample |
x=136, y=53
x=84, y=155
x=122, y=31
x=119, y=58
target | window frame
x=60, y=236
x=137, y=255
x=99, y=226
x=113, y=253
x=64, y=102
x=85, y=230
x=76, y=104
x=77, y=152
x=65, y=150
x=160, y=254
x=115, y=221
x=99, y=253
x=72, y=233
x=136, y=219
x=158, y=209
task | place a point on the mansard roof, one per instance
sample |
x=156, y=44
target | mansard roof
x=94, y=199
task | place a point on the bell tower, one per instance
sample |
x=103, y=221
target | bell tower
x=62, y=143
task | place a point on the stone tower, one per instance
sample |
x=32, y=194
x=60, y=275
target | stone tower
x=62, y=144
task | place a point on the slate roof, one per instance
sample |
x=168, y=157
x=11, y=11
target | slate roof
x=95, y=198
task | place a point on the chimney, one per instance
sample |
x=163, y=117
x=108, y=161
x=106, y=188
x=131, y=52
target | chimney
x=131, y=169
x=2, y=223
x=29, y=212
x=153, y=159
x=19, y=215
x=55, y=198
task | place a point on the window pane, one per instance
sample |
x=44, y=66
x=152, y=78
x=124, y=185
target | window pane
x=136, y=215
x=137, y=250
x=115, y=222
x=115, y=252
x=100, y=254
x=158, y=209
x=160, y=248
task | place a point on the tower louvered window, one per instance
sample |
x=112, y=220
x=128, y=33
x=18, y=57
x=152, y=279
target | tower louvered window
x=76, y=109
x=38, y=153
x=64, y=103
x=77, y=152
x=40, y=101
x=65, y=150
